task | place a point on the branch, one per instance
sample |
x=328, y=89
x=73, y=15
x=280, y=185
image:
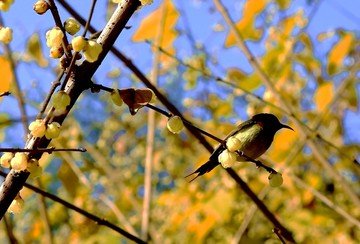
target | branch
x=49, y=150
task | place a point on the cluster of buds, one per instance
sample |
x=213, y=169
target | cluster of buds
x=20, y=162
x=39, y=129
x=227, y=158
x=54, y=39
x=91, y=48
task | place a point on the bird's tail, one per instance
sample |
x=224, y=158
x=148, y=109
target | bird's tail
x=205, y=168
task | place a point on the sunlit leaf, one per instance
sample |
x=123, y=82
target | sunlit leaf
x=339, y=52
x=284, y=140
x=34, y=51
x=283, y=4
x=246, y=26
x=160, y=23
x=352, y=98
x=114, y=73
x=325, y=35
x=324, y=95
x=243, y=80
x=68, y=179
x=6, y=75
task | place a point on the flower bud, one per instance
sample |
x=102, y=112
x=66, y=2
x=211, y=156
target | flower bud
x=34, y=169
x=78, y=43
x=37, y=128
x=275, y=179
x=5, y=159
x=116, y=98
x=52, y=130
x=40, y=7
x=61, y=100
x=56, y=52
x=227, y=158
x=233, y=144
x=71, y=26
x=17, y=205
x=19, y=161
x=5, y=35
x=175, y=124
x=92, y=51
x=54, y=37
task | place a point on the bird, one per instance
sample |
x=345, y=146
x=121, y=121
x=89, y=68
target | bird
x=255, y=136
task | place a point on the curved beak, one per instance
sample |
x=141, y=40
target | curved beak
x=287, y=127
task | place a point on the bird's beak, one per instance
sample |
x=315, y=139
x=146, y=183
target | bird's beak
x=287, y=127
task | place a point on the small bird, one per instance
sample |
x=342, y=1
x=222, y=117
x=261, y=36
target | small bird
x=255, y=135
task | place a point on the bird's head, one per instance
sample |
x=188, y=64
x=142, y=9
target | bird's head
x=269, y=122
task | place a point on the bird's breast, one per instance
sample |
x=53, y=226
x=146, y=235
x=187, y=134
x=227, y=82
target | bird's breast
x=254, y=142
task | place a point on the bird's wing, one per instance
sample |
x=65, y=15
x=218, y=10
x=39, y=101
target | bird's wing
x=213, y=160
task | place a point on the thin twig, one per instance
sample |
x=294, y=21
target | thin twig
x=89, y=18
x=258, y=163
x=278, y=233
x=43, y=150
x=44, y=105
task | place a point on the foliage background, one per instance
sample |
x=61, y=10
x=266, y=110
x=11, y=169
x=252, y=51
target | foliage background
x=308, y=49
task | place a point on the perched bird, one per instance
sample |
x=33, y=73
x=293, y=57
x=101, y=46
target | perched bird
x=255, y=135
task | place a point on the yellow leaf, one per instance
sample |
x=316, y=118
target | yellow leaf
x=246, y=25
x=243, y=80
x=163, y=19
x=283, y=141
x=283, y=4
x=324, y=95
x=339, y=52
x=352, y=98
x=289, y=23
x=6, y=74
x=34, y=51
